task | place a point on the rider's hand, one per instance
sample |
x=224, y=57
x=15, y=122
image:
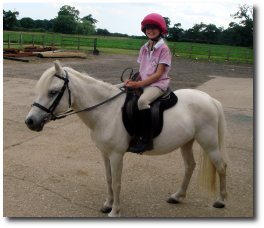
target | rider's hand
x=133, y=85
x=127, y=81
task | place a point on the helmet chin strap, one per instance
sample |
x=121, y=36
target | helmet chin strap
x=155, y=39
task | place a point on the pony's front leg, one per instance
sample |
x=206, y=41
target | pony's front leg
x=116, y=161
x=109, y=200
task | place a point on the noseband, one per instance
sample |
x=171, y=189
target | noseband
x=51, y=109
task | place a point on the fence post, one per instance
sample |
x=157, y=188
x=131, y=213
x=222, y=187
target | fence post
x=61, y=41
x=8, y=41
x=52, y=40
x=33, y=39
x=95, y=43
x=43, y=37
x=78, y=43
x=21, y=40
x=228, y=53
x=191, y=52
x=174, y=50
x=209, y=53
x=247, y=55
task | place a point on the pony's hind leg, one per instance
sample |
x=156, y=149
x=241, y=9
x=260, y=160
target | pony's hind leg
x=217, y=160
x=189, y=163
x=220, y=165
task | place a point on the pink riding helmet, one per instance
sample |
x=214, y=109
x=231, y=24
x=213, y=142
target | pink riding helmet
x=154, y=19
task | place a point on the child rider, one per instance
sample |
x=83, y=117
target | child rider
x=155, y=62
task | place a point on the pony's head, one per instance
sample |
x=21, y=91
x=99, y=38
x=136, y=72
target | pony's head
x=50, y=99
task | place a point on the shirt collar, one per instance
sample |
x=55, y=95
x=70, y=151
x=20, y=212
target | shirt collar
x=157, y=45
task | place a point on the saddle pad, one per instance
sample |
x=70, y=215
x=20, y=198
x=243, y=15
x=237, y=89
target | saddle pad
x=132, y=126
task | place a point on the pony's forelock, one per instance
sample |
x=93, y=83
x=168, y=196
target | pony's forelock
x=45, y=80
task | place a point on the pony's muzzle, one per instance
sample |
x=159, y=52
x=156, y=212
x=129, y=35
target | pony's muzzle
x=33, y=124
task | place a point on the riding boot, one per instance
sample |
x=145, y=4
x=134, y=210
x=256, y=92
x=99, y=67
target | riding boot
x=146, y=141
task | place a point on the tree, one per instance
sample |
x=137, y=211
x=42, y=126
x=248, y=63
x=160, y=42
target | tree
x=47, y=24
x=64, y=24
x=27, y=22
x=89, y=18
x=175, y=32
x=67, y=10
x=167, y=21
x=245, y=13
x=67, y=20
x=210, y=32
x=9, y=19
x=43, y=24
x=103, y=32
x=196, y=31
x=39, y=24
x=85, y=28
x=231, y=34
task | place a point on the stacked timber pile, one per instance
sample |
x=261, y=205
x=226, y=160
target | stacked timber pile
x=47, y=52
x=12, y=52
x=39, y=49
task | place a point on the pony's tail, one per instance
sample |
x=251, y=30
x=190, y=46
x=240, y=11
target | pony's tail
x=206, y=174
x=221, y=131
x=207, y=170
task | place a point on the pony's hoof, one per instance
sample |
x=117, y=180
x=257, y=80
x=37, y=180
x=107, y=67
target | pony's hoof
x=172, y=201
x=219, y=205
x=106, y=209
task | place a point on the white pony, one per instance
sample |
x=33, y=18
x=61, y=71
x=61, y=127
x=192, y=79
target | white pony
x=197, y=116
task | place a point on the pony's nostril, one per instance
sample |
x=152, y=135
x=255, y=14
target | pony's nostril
x=29, y=122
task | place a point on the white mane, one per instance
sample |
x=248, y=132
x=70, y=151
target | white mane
x=46, y=78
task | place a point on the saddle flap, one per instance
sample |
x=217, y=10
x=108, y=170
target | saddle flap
x=131, y=114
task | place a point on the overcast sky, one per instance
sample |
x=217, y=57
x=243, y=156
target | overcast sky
x=126, y=17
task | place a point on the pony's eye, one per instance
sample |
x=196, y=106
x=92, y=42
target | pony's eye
x=52, y=93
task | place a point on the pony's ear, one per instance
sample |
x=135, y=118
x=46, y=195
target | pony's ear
x=58, y=68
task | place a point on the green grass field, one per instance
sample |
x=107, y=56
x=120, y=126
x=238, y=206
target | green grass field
x=130, y=46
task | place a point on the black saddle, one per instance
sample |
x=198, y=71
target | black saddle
x=131, y=114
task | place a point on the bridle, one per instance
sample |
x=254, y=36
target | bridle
x=50, y=110
x=55, y=103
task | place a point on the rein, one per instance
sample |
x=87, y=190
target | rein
x=51, y=109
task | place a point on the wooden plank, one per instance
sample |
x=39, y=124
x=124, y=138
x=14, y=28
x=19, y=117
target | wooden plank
x=62, y=55
x=15, y=59
x=20, y=54
x=12, y=50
